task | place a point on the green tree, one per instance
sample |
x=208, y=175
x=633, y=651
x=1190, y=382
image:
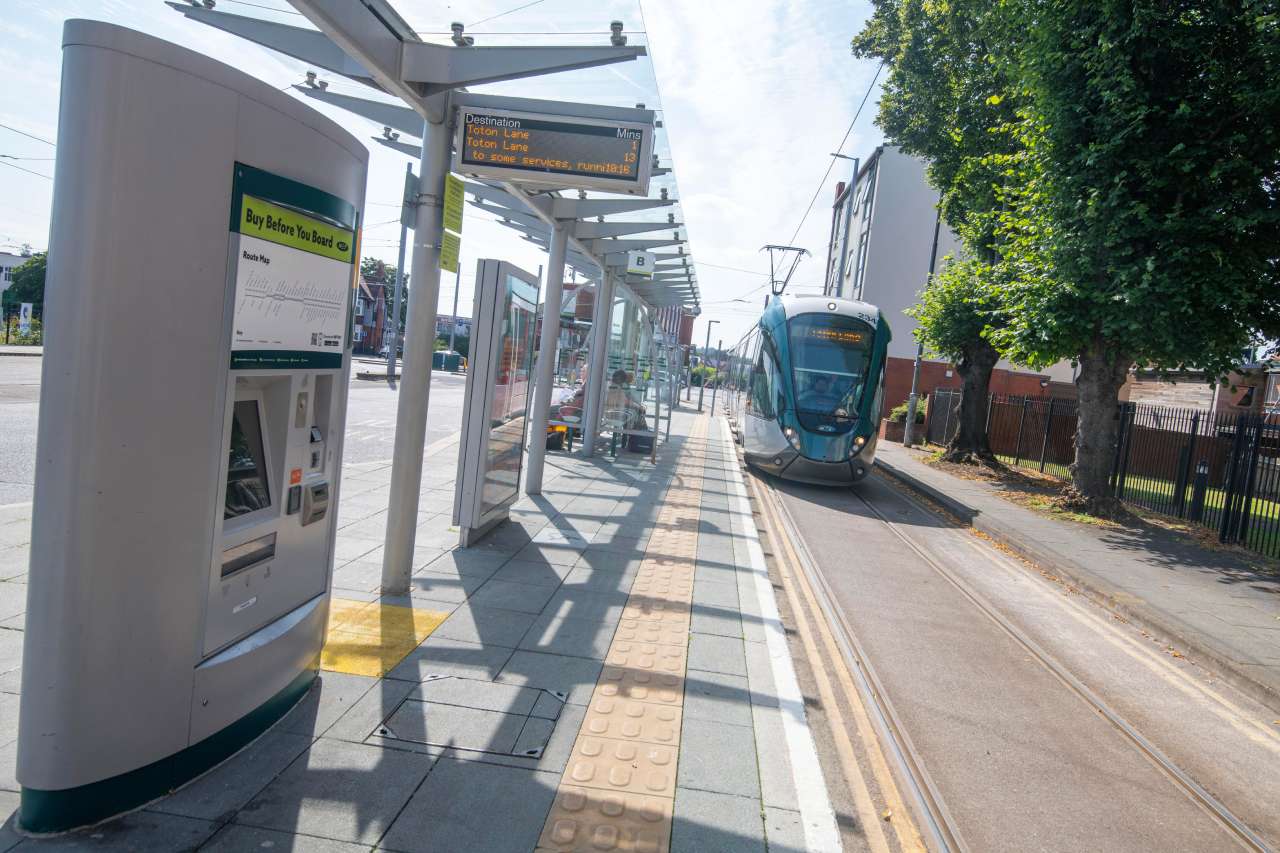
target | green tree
x=27, y=284
x=947, y=99
x=956, y=313
x=1142, y=216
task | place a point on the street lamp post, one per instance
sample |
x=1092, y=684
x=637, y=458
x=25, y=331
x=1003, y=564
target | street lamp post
x=702, y=387
x=909, y=428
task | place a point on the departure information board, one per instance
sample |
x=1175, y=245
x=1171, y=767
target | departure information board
x=558, y=150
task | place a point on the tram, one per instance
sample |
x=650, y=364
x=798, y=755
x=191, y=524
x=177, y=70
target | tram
x=805, y=388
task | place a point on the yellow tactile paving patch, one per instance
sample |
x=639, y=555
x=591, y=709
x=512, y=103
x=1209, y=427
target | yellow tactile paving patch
x=618, y=788
x=369, y=637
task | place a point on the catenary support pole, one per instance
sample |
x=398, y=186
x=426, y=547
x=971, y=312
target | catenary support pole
x=909, y=428
x=706, y=351
x=546, y=375
x=715, y=388
x=420, y=337
x=393, y=345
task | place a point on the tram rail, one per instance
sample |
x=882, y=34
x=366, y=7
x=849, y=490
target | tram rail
x=938, y=830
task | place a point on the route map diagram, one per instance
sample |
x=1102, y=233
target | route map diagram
x=272, y=298
x=288, y=300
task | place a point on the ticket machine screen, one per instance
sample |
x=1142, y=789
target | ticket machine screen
x=247, y=487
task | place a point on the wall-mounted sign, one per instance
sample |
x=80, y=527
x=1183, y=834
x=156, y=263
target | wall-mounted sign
x=294, y=258
x=640, y=263
x=563, y=151
x=450, y=246
x=453, y=206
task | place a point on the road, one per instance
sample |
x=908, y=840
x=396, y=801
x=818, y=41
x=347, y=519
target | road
x=370, y=435
x=1011, y=711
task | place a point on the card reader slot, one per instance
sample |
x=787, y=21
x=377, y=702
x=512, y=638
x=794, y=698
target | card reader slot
x=248, y=554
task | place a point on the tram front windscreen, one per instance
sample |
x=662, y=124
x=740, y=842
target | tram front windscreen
x=829, y=359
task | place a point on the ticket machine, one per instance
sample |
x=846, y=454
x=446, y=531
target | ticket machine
x=202, y=259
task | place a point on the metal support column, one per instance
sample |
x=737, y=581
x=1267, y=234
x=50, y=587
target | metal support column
x=420, y=338
x=547, y=349
x=706, y=352
x=601, y=319
x=393, y=345
x=453, y=322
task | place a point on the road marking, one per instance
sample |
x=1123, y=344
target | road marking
x=816, y=815
x=16, y=506
x=852, y=772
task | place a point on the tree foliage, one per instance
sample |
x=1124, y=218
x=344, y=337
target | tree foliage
x=28, y=283
x=1144, y=220
x=1141, y=218
x=947, y=100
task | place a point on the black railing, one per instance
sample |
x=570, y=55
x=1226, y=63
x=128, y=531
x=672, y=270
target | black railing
x=1221, y=470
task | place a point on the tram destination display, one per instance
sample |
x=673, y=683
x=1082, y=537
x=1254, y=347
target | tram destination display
x=584, y=153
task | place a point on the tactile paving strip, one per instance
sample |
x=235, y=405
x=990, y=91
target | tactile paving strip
x=618, y=788
x=370, y=638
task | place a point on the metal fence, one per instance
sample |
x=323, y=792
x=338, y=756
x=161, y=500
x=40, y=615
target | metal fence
x=1221, y=470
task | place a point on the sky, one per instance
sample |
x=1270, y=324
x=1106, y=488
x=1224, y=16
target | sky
x=754, y=96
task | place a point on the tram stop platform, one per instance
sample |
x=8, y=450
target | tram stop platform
x=606, y=671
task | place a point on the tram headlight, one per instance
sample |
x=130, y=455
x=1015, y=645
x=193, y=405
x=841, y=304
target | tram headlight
x=792, y=436
x=858, y=441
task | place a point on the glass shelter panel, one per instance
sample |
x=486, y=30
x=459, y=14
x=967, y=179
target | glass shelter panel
x=512, y=377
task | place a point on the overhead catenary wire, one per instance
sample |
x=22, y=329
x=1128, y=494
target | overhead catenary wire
x=28, y=171
x=503, y=14
x=29, y=135
x=832, y=162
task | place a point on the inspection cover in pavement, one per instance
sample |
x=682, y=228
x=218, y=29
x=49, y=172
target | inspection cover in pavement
x=480, y=716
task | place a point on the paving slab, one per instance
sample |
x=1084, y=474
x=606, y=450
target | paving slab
x=240, y=839
x=218, y=794
x=341, y=791
x=447, y=656
x=483, y=625
x=502, y=594
x=707, y=822
x=718, y=757
x=586, y=638
x=474, y=806
x=574, y=676
x=717, y=697
x=714, y=653
x=141, y=831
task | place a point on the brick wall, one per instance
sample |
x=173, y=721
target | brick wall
x=933, y=374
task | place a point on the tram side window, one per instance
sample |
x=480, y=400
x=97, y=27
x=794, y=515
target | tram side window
x=764, y=381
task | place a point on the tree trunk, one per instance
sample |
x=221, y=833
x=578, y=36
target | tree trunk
x=970, y=444
x=1102, y=373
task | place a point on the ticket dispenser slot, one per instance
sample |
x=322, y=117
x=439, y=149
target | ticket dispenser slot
x=315, y=503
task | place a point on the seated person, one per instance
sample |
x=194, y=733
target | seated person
x=617, y=398
x=818, y=396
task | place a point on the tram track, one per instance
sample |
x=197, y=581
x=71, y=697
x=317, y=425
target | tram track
x=1198, y=794
x=862, y=687
x=939, y=830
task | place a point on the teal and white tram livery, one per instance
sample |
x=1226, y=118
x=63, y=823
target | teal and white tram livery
x=806, y=386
